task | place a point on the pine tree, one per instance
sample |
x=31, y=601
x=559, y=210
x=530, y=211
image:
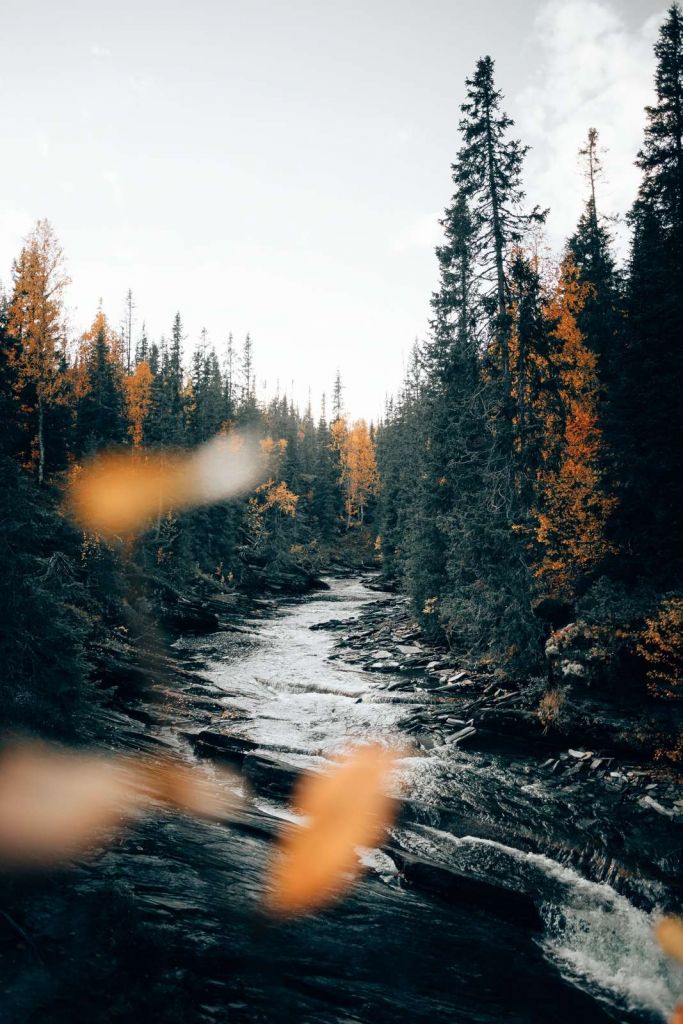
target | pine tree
x=648, y=408
x=36, y=321
x=488, y=171
x=599, y=317
x=101, y=404
x=337, y=398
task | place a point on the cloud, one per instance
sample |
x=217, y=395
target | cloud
x=101, y=52
x=592, y=71
x=423, y=233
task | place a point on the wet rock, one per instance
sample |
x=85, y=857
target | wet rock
x=270, y=775
x=330, y=624
x=463, y=734
x=219, y=746
x=467, y=891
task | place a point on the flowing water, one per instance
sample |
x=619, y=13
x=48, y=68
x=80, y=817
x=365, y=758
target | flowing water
x=166, y=924
x=392, y=953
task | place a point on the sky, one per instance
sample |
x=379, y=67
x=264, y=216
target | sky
x=280, y=168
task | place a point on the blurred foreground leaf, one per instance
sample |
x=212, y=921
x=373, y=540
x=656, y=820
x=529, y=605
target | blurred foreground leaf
x=346, y=807
x=56, y=803
x=121, y=493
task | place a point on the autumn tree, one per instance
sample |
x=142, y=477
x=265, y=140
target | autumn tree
x=36, y=321
x=573, y=504
x=358, y=471
x=138, y=400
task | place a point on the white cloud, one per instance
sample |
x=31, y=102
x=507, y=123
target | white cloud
x=592, y=71
x=101, y=52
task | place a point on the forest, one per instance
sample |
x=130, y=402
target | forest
x=527, y=478
x=518, y=505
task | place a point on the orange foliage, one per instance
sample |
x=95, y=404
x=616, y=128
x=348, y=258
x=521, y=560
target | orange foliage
x=99, y=326
x=573, y=507
x=359, y=476
x=138, y=399
x=661, y=645
x=36, y=321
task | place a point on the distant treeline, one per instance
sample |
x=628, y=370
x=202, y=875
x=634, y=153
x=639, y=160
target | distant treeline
x=63, y=400
x=532, y=465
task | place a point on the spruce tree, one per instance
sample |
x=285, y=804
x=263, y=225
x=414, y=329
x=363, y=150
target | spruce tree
x=101, y=409
x=648, y=407
x=488, y=172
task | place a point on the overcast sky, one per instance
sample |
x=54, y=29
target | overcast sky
x=279, y=166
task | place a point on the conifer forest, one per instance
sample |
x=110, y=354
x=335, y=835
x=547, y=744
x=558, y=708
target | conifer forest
x=312, y=716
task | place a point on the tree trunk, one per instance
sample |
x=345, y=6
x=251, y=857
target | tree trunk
x=503, y=331
x=41, y=441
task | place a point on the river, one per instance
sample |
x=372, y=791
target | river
x=389, y=953
x=166, y=924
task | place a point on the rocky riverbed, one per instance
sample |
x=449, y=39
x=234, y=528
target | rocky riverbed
x=520, y=883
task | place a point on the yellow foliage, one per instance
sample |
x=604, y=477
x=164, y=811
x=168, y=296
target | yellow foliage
x=359, y=475
x=574, y=506
x=138, y=398
x=661, y=645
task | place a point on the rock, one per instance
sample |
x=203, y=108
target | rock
x=458, y=677
x=463, y=734
x=647, y=801
x=466, y=891
x=270, y=775
x=221, y=747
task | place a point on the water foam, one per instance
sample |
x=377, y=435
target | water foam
x=596, y=937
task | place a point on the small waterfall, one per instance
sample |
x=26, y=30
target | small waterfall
x=596, y=936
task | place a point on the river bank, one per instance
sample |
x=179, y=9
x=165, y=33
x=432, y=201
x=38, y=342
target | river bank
x=459, y=918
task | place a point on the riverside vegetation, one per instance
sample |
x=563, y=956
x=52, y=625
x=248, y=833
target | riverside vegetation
x=523, y=491
x=524, y=488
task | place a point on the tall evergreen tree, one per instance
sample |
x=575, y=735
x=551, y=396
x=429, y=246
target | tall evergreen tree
x=101, y=406
x=649, y=410
x=488, y=171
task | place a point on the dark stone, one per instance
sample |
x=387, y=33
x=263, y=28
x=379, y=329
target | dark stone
x=466, y=891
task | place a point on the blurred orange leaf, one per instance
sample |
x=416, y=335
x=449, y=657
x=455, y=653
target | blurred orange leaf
x=121, y=493
x=669, y=933
x=56, y=803
x=346, y=807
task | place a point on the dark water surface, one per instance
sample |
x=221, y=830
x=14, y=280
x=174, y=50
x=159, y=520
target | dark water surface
x=166, y=926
